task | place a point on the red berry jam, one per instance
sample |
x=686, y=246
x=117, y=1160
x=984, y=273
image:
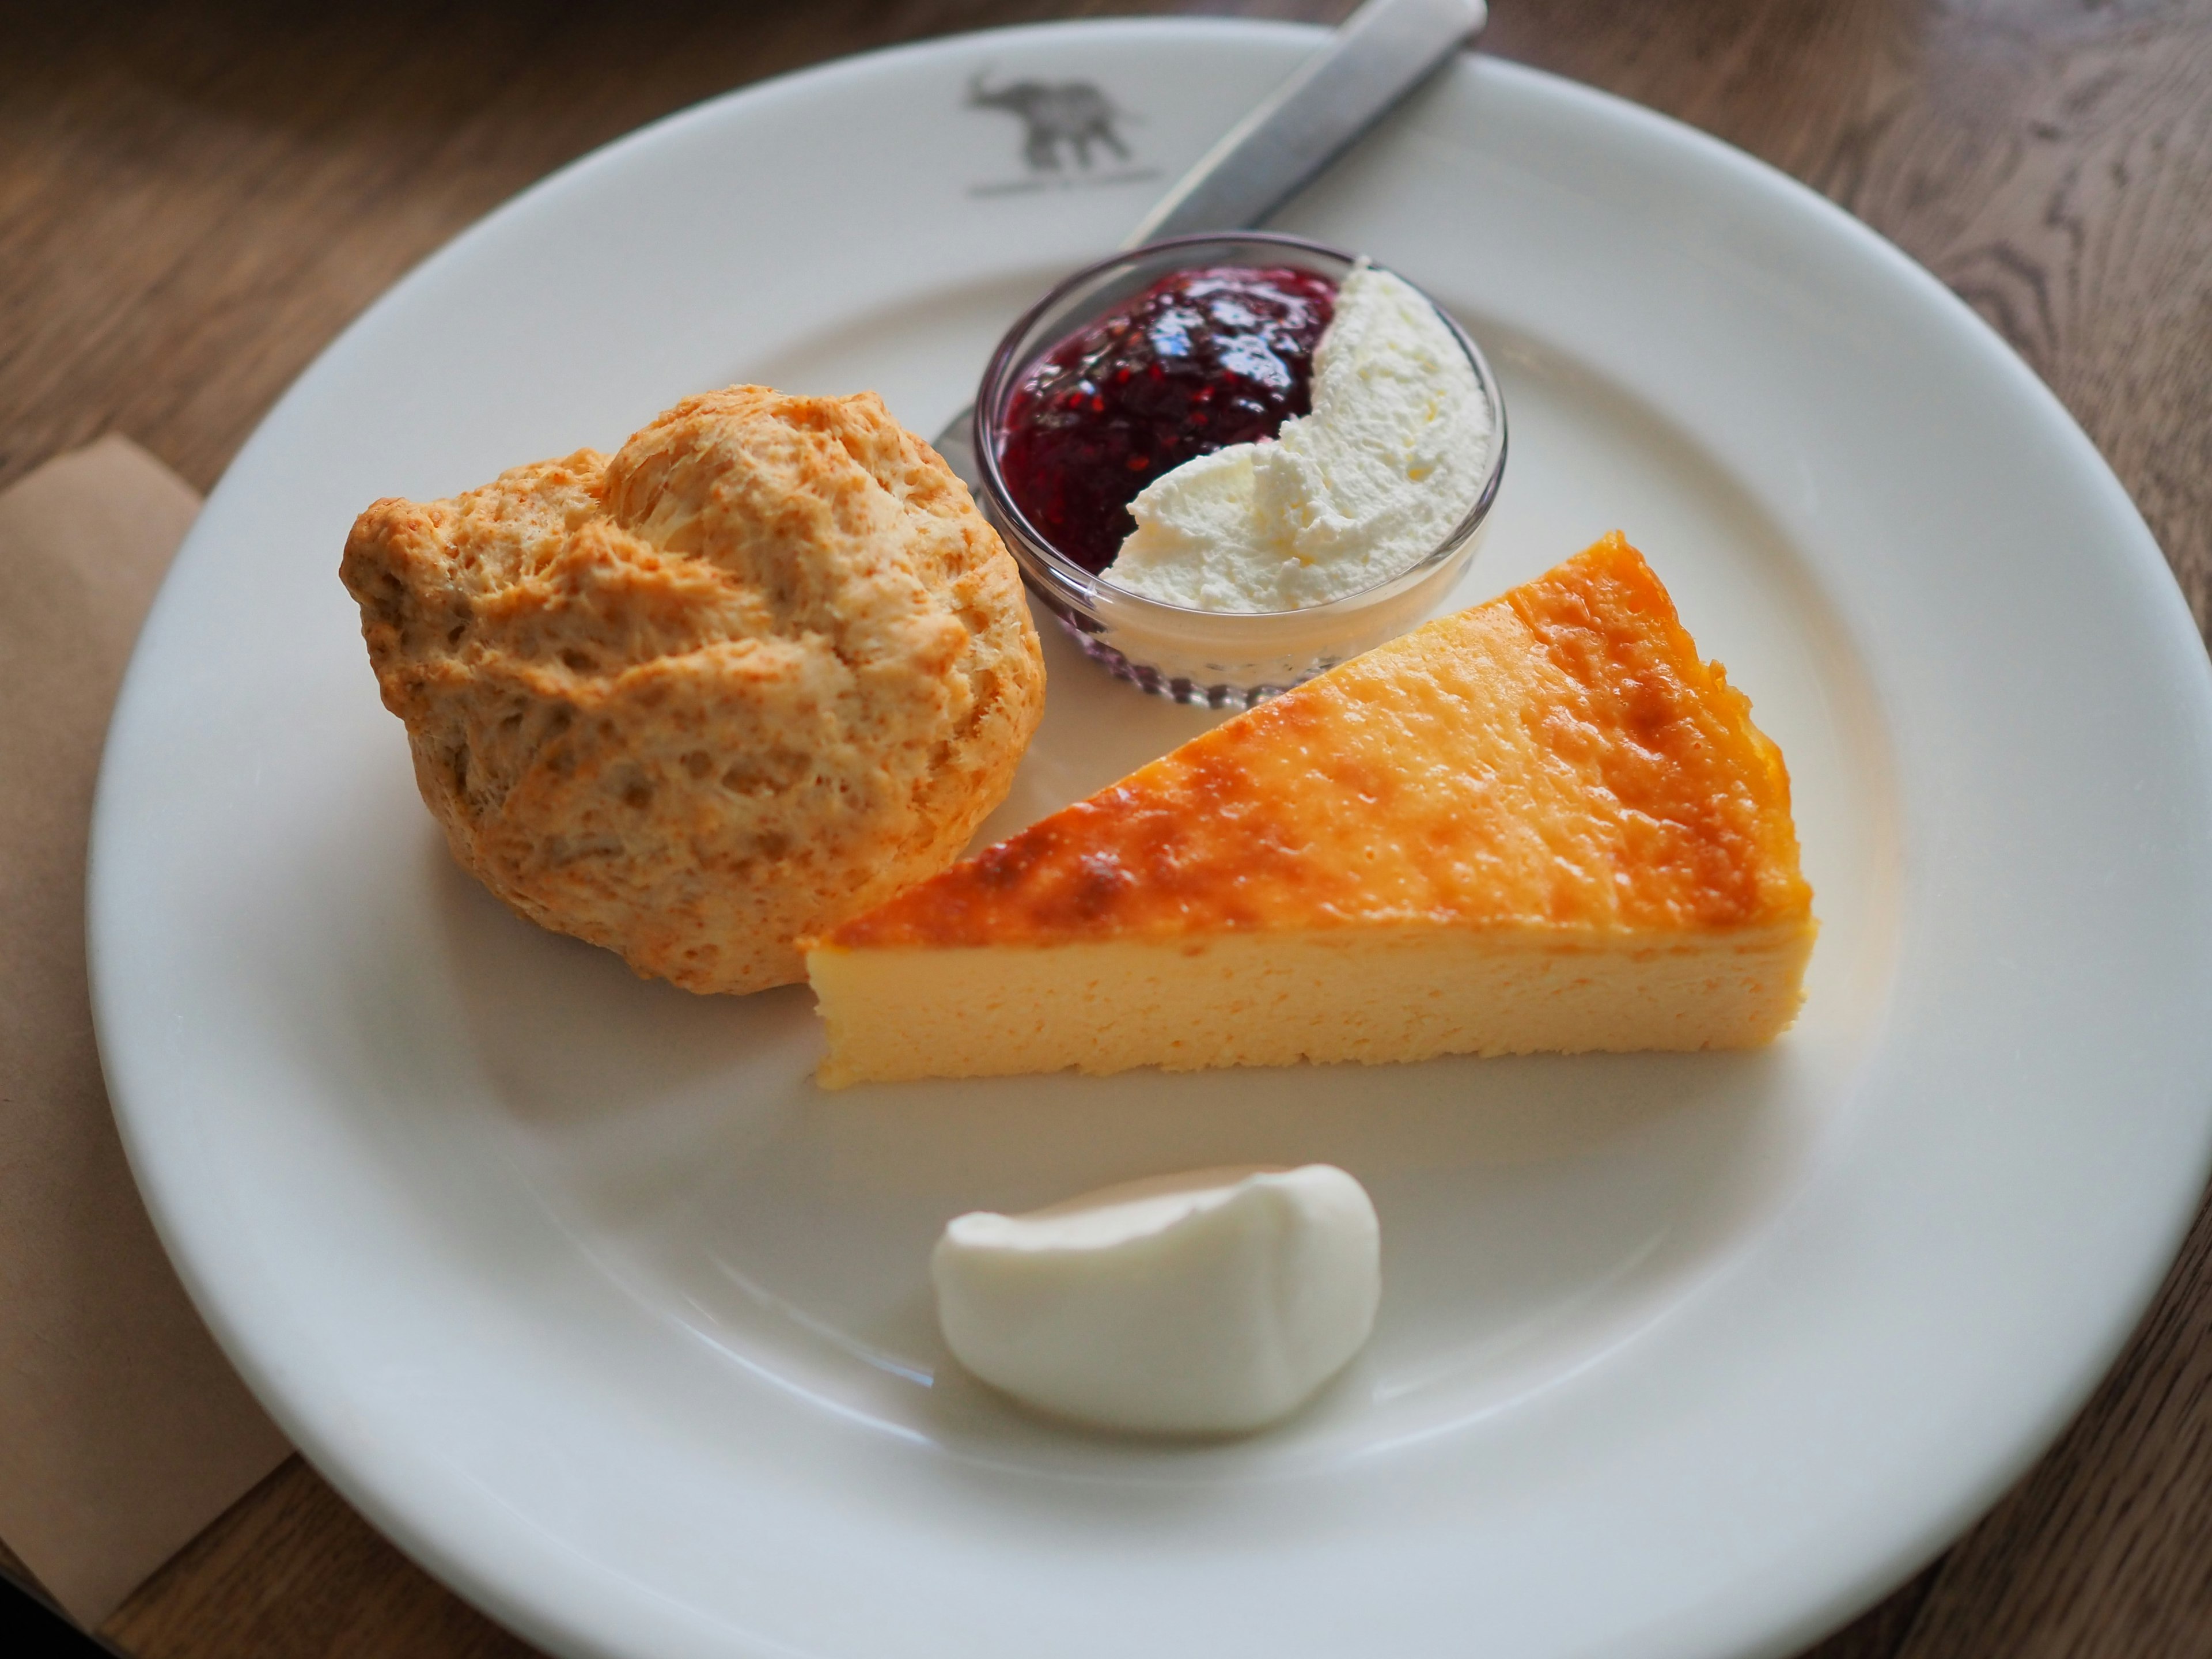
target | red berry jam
x=1200, y=360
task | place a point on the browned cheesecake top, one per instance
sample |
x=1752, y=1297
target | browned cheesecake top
x=1559, y=758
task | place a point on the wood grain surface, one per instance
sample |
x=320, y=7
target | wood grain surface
x=194, y=199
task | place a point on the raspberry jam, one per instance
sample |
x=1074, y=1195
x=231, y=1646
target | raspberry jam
x=1200, y=360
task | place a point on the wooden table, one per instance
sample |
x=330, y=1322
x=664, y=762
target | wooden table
x=194, y=199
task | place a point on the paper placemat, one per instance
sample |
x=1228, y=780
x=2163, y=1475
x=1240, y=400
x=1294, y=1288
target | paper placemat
x=122, y=1430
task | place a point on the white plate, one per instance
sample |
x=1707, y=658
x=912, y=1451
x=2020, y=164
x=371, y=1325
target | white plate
x=577, y=1287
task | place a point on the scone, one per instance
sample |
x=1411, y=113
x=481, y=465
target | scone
x=756, y=673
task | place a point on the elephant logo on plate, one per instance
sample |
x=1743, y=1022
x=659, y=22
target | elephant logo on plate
x=1060, y=118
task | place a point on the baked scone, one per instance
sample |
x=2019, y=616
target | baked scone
x=752, y=675
x=1542, y=824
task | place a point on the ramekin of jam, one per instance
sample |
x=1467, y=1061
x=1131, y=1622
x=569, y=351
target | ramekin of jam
x=1138, y=363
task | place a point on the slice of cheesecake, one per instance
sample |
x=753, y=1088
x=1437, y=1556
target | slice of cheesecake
x=1542, y=824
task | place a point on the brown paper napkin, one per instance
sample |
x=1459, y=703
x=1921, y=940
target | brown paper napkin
x=122, y=1430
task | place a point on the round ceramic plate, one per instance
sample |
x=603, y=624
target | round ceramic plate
x=577, y=1286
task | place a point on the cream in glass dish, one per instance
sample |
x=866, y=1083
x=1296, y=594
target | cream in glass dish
x=1226, y=463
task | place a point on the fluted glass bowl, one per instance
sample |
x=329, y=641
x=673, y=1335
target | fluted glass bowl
x=1227, y=659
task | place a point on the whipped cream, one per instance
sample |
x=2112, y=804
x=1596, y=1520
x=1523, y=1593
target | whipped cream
x=1211, y=1302
x=1392, y=457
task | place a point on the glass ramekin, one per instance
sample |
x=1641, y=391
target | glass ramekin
x=1226, y=659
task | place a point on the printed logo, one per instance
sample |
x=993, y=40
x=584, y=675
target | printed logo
x=1063, y=122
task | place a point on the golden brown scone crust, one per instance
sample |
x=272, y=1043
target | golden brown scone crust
x=750, y=678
